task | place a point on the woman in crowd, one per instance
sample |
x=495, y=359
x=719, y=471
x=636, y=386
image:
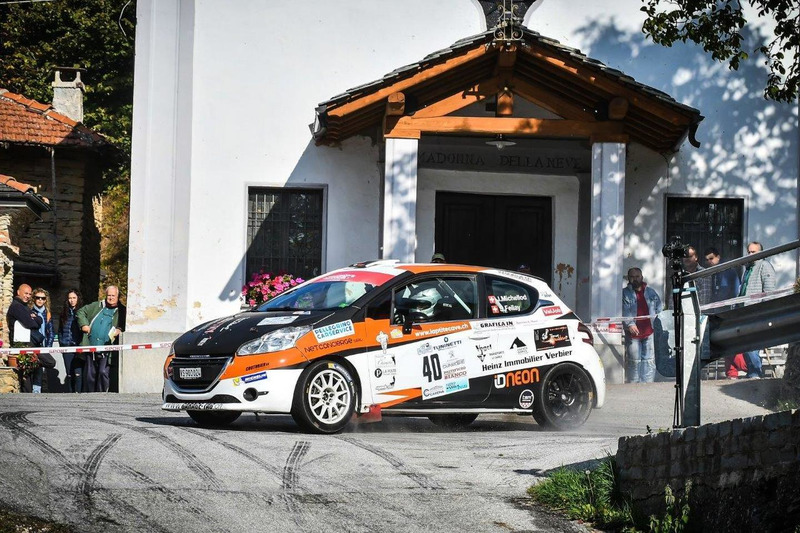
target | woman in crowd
x=41, y=306
x=70, y=334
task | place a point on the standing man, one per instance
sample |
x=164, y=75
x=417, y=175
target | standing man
x=724, y=285
x=702, y=285
x=639, y=300
x=23, y=331
x=101, y=323
x=759, y=276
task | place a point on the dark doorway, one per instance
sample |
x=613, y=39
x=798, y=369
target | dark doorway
x=496, y=231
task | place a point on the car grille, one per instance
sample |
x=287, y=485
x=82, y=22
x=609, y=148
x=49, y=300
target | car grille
x=210, y=368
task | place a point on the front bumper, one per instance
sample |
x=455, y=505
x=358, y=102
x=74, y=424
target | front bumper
x=274, y=392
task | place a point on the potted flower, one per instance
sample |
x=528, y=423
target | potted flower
x=263, y=287
x=27, y=362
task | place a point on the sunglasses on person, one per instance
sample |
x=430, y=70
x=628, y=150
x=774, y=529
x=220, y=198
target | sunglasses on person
x=37, y=297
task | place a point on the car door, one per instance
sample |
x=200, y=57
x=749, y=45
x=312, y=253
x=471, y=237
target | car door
x=421, y=352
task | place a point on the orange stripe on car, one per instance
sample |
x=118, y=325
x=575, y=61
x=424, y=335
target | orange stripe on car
x=406, y=395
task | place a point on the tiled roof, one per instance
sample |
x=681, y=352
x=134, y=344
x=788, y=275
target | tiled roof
x=10, y=187
x=574, y=84
x=26, y=121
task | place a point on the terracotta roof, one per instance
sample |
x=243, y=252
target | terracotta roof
x=26, y=121
x=11, y=188
x=543, y=66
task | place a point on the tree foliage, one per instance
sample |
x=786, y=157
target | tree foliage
x=97, y=36
x=717, y=26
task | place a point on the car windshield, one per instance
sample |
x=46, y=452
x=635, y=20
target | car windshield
x=317, y=296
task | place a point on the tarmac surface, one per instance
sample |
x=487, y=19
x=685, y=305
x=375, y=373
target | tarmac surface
x=117, y=462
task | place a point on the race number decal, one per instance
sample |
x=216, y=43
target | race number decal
x=431, y=367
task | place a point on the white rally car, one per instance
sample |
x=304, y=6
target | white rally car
x=449, y=342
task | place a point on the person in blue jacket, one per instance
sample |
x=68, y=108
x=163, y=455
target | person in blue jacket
x=641, y=304
x=70, y=334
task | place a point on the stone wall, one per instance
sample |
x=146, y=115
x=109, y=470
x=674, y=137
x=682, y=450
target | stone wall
x=68, y=240
x=745, y=473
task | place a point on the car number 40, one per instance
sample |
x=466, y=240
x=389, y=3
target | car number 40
x=189, y=373
x=431, y=368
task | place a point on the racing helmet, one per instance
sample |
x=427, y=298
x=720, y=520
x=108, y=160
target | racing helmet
x=430, y=296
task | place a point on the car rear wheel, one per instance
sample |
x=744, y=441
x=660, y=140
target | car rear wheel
x=324, y=400
x=452, y=421
x=565, y=401
x=214, y=419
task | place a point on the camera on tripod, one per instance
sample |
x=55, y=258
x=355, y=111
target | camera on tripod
x=675, y=251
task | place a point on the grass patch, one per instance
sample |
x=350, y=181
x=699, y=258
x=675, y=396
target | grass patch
x=588, y=495
x=16, y=523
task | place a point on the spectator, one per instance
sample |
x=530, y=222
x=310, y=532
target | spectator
x=41, y=306
x=702, y=285
x=759, y=276
x=438, y=258
x=642, y=302
x=724, y=286
x=101, y=322
x=23, y=330
x=70, y=334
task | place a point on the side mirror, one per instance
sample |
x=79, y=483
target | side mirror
x=412, y=318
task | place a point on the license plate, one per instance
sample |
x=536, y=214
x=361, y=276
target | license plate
x=190, y=373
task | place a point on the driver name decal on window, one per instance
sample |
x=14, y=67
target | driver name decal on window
x=334, y=331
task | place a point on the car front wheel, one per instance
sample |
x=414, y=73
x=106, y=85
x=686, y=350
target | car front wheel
x=566, y=397
x=214, y=419
x=324, y=400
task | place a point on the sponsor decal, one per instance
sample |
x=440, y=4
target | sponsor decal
x=214, y=326
x=425, y=349
x=396, y=334
x=383, y=340
x=453, y=363
x=385, y=387
x=276, y=320
x=552, y=310
x=442, y=330
x=255, y=367
x=327, y=345
x=237, y=382
x=455, y=374
x=558, y=354
x=203, y=341
x=334, y=331
x=494, y=356
x=526, y=399
x=525, y=376
x=493, y=325
x=380, y=372
x=520, y=346
x=194, y=406
x=551, y=338
x=447, y=344
x=482, y=350
x=254, y=377
x=384, y=361
x=301, y=312
x=232, y=323
x=491, y=366
x=455, y=386
x=433, y=392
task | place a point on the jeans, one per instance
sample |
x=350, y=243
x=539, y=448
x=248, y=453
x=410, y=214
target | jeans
x=73, y=363
x=753, y=360
x=641, y=359
x=97, y=372
x=32, y=382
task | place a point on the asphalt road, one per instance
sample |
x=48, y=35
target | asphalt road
x=108, y=462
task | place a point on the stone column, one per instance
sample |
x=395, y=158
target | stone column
x=399, y=239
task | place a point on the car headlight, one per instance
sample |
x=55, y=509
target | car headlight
x=273, y=341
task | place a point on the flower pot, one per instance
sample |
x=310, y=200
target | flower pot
x=12, y=361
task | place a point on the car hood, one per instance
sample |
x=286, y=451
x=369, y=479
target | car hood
x=225, y=335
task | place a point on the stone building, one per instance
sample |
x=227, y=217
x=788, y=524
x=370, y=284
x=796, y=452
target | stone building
x=48, y=148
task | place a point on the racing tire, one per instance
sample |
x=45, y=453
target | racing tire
x=214, y=419
x=565, y=399
x=325, y=398
x=453, y=421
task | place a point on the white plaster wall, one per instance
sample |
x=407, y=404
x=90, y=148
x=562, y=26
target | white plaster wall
x=563, y=190
x=749, y=146
x=257, y=70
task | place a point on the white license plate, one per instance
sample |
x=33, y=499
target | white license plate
x=190, y=373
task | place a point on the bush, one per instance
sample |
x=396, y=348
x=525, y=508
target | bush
x=263, y=287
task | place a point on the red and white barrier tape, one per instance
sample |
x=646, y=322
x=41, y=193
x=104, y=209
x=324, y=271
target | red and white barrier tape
x=86, y=349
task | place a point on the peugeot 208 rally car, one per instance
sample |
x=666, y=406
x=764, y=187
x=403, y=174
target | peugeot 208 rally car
x=444, y=341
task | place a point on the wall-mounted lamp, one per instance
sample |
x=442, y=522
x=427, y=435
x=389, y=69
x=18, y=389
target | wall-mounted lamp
x=499, y=142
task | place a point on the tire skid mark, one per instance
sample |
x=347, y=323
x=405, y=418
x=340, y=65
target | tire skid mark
x=290, y=481
x=16, y=422
x=417, y=477
x=234, y=448
x=169, y=494
x=92, y=464
x=189, y=459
